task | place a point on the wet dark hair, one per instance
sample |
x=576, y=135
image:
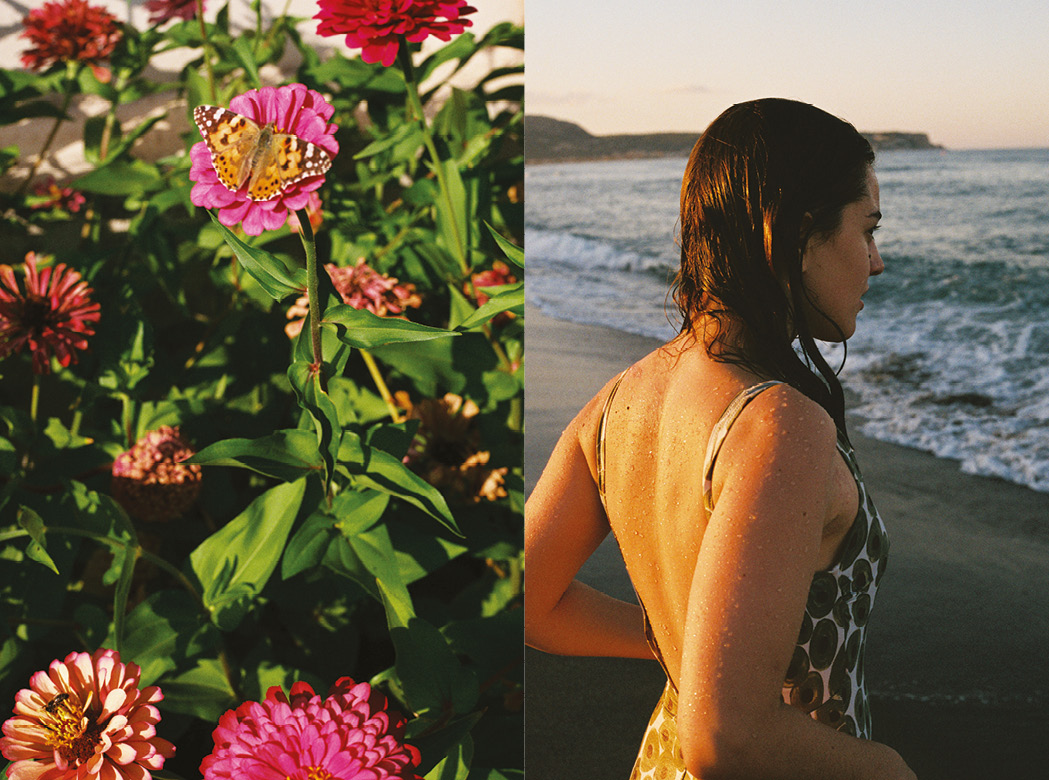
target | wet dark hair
x=765, y=178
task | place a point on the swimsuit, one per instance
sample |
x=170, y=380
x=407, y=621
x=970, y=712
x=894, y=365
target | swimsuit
x=825, y=676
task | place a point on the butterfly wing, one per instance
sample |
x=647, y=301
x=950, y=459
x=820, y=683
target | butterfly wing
x=243, y=152
x=232, y=140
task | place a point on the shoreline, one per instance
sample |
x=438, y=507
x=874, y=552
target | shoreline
x=956, y=664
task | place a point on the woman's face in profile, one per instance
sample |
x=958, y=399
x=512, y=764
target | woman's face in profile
x=835, y=269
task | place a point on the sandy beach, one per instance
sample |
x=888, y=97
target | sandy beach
x=958, y=649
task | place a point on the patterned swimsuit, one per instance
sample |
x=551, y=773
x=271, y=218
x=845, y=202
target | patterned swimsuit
x=825, y=675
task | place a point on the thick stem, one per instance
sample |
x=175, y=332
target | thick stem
x=309, y=244
x=380, y=383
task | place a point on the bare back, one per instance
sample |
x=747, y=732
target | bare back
x=657, y=431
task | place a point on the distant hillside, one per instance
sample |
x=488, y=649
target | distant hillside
x=554, y=140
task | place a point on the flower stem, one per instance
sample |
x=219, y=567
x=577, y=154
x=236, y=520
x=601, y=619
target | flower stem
x=405, y=58
x=34, y=399
x=66, y=100
x=384, y=391
x=207, y=50
x=309, y=244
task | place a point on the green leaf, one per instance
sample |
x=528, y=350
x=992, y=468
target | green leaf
x=455, y=765
x=365, y=330
x=510, y=298
x=271, y=274
x=307, y=547
x=374, y=468
x=375, y=551
x=203, y=691
x=245, y=56
x=432, y=678
x=452, y=210
x=514, y=253
x=234, y=563
x=160, y=631
x=121, y=177
x=36, y=549
x=287, y=454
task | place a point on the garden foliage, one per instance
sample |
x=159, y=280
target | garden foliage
x=354, y=504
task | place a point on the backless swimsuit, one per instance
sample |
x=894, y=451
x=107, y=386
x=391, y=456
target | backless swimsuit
x=825, y=676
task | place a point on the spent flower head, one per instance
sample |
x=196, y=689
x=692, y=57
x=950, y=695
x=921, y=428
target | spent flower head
x=69, y=30
x=361, y=287
x=350, y=735
x=150, y=480
x=274, y=114
x=50, y=196
x=376, y=26
x=446, y=450
x=84, y=718
x=53, y=316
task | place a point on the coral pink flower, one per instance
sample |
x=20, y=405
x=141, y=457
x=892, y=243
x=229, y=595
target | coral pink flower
x=376, y=26
x=161, y=11
x=151, y=482
x=68, y=30
x=292, y=110
x=314, y=213
x=351, y=735
x=361, y=287
x=85, y=719
x=53, y=196
x=52, y=317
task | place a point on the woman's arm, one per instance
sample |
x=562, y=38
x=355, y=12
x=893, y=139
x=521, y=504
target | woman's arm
x=564, y=524
x=774, y=490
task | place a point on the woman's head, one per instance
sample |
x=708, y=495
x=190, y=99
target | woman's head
x=766, y=181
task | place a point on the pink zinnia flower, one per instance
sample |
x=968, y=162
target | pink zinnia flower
x=351, y=735
x=85, y=718
x=292, y=110
x=65, y=198
x=52, y=317
x=361, y=287
x=150, y=480
x=161, y=11
x=69, y=30
x=376, y=26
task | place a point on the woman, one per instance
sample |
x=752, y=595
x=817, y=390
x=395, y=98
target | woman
x=721, y=464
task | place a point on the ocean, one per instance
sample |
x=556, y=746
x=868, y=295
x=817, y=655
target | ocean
x=951, y=352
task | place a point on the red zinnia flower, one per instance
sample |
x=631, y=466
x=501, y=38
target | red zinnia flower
x=68, y=30
x=85, y=719
x=361, y=287
x=161, y=11
x=292, y=110
x=52, y=317
x=151, y=482
x=376, y=26
x=351, y=735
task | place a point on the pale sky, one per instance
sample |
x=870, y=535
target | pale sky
x=968, y=74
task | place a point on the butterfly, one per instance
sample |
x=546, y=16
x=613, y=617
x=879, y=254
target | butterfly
x=244, y=152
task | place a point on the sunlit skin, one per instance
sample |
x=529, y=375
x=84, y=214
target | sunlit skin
x=724, y=591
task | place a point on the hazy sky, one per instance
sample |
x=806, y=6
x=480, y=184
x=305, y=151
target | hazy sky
x=969, y=74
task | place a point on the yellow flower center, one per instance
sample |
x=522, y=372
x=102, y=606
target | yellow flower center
x=313, y=773
x=69, y=732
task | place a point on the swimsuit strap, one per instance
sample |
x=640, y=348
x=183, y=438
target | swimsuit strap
x=601, y=438
x=719, y=433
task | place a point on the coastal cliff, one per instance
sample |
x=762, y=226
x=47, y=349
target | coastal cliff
x=555, y=140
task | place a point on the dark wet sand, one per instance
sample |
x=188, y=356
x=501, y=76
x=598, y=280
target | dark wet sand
x=958, y=647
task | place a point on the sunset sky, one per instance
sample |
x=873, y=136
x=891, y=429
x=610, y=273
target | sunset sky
x=969, y=75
